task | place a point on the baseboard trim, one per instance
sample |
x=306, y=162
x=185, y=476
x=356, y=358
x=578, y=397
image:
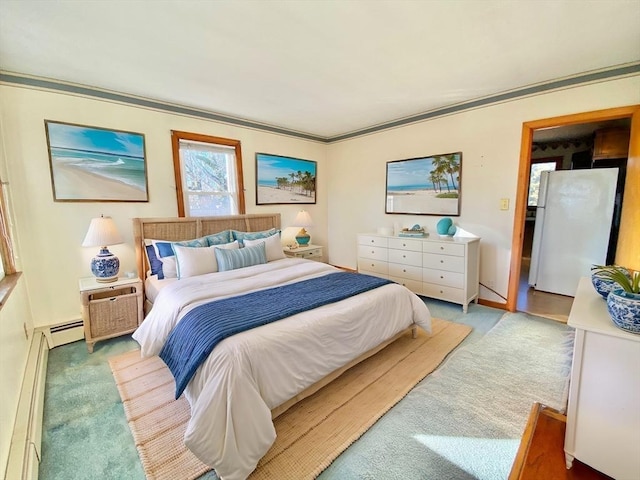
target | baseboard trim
x=25, y=450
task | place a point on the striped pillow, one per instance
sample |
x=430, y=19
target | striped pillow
x=244, y=257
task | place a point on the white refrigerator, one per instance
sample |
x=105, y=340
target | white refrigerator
x=572, y=227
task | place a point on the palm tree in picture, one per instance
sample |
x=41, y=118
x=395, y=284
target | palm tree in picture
x=452, y=165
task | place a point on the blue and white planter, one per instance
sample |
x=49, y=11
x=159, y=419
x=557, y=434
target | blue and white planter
x=105, y=266
x=624, y=308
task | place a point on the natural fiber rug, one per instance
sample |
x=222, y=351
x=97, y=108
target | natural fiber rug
x=310, y=435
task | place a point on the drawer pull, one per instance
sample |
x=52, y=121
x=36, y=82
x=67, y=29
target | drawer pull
x=441, y=261
x=441, y=248
x=113, y=299
x=373, y=241
x=404, y=244
x=441, y=276
x=372, y=265
x=404, y=270
x=404, y=256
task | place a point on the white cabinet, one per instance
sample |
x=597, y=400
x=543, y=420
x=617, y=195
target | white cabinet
x=444, y=268
x=603, y=415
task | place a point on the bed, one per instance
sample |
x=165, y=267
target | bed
x=250, y=378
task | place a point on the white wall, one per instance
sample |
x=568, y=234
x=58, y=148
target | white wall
x=489, y=139
x=50, y=233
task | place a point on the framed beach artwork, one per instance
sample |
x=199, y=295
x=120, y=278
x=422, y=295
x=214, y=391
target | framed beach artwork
x=424, y=186
x=93, y=164
x=282, y=180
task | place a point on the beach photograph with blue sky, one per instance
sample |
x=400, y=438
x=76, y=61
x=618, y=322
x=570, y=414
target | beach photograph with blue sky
x=96, y=164
x=426, y=185
x=281, y=179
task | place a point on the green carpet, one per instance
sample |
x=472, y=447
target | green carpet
x=85, y=433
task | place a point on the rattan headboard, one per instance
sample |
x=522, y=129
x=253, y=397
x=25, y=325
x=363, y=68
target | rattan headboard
x=187, y=228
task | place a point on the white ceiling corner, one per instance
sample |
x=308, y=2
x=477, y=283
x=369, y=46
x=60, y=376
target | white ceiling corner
x=325, y=68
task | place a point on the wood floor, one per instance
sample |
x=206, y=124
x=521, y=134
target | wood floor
x=549, y=305
x=541, y=452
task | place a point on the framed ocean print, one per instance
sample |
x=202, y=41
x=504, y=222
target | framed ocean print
x=281, y=180
x=425, y=186
x=93, y=164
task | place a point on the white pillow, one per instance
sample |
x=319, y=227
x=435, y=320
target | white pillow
x=192, y=261
x=272, y=245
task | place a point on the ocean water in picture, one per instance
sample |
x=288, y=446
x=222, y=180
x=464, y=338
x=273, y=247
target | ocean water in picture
x=128, y=170
x=95, y=164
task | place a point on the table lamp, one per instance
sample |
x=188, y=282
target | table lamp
x=103, y=232
x=303, y=219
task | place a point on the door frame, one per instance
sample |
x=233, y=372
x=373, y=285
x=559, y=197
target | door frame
x=632, y=183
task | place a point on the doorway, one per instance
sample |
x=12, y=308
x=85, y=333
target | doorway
x=520, y=296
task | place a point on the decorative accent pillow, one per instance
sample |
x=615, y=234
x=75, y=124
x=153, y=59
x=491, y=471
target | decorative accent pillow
x=165, y=253
x=243, y=257
x=192, y=261
x=219, y=238
x=272, y=245
x=241, y=236
x=154, y=264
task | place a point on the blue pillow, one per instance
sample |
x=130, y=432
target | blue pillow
x=219, y=238
x=154, y=263
x=240, y=236
x=240, y=258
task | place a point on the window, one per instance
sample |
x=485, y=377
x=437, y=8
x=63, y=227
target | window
x=537, y=167
x=208, y=173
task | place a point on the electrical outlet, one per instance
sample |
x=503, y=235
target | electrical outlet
x=504, y=204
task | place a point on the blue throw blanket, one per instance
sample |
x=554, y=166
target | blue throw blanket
x=201, y=329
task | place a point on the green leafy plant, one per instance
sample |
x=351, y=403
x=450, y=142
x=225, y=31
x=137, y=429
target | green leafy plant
x=628, y=282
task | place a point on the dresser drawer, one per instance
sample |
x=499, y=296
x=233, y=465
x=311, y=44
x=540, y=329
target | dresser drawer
x=442, y=277
x=405, y=257
x=405, y=271
x=373, y=240
x=414, y=285
x=443, y=262
x=444, y=293
x=405, y=244
x=368, y=265
x=374, y=253
x=444, y=248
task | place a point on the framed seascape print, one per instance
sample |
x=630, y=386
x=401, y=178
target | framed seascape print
x=93, y=164
x=424, y=186
x=282, y=180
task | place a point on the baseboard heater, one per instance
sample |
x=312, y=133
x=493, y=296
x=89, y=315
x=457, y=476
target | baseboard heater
x=64, y=333
x=25, y=450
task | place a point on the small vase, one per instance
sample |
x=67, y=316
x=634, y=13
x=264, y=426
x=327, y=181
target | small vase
x=624, y=308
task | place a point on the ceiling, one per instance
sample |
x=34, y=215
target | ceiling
x=323, y=68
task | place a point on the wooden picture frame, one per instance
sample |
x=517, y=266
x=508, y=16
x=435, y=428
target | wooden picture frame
x=285, y=180
x=425, y=185
x=94, y=164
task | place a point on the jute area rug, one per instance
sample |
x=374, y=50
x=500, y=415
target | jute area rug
x=310, y=435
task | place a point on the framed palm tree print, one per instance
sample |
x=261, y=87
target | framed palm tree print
x=281, y=180
x=425, y=186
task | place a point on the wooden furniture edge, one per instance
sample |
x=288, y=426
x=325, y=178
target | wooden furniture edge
x=280, y=409
x=525, y=442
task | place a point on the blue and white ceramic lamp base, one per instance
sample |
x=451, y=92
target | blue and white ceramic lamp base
x=105, y=266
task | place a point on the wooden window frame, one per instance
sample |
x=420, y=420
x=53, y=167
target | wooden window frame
x=10, y=279
x=176, y=136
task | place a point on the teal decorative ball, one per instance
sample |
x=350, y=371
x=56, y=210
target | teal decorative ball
x=444, y=225
x=452, y=230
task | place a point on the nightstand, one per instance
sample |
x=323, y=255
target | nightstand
x=110, y=309
x=310, y=252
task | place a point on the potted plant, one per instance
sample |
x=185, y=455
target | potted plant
x=623, y=300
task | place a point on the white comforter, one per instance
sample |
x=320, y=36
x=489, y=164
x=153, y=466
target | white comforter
x=234, y=390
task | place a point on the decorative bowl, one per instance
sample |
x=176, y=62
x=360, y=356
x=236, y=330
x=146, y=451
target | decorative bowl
x=604, y=285
x=624, y=308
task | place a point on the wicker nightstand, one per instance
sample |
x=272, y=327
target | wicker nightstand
x=110, y=309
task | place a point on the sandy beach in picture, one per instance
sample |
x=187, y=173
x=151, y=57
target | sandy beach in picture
x=73, y=183
x=277, y=195
x=421, y=201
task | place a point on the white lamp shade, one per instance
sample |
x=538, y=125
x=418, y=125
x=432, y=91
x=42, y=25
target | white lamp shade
x=102, y=232
x=303, y=219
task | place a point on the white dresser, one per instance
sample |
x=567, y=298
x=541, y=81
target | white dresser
x=446, y=268
x=603, y=416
